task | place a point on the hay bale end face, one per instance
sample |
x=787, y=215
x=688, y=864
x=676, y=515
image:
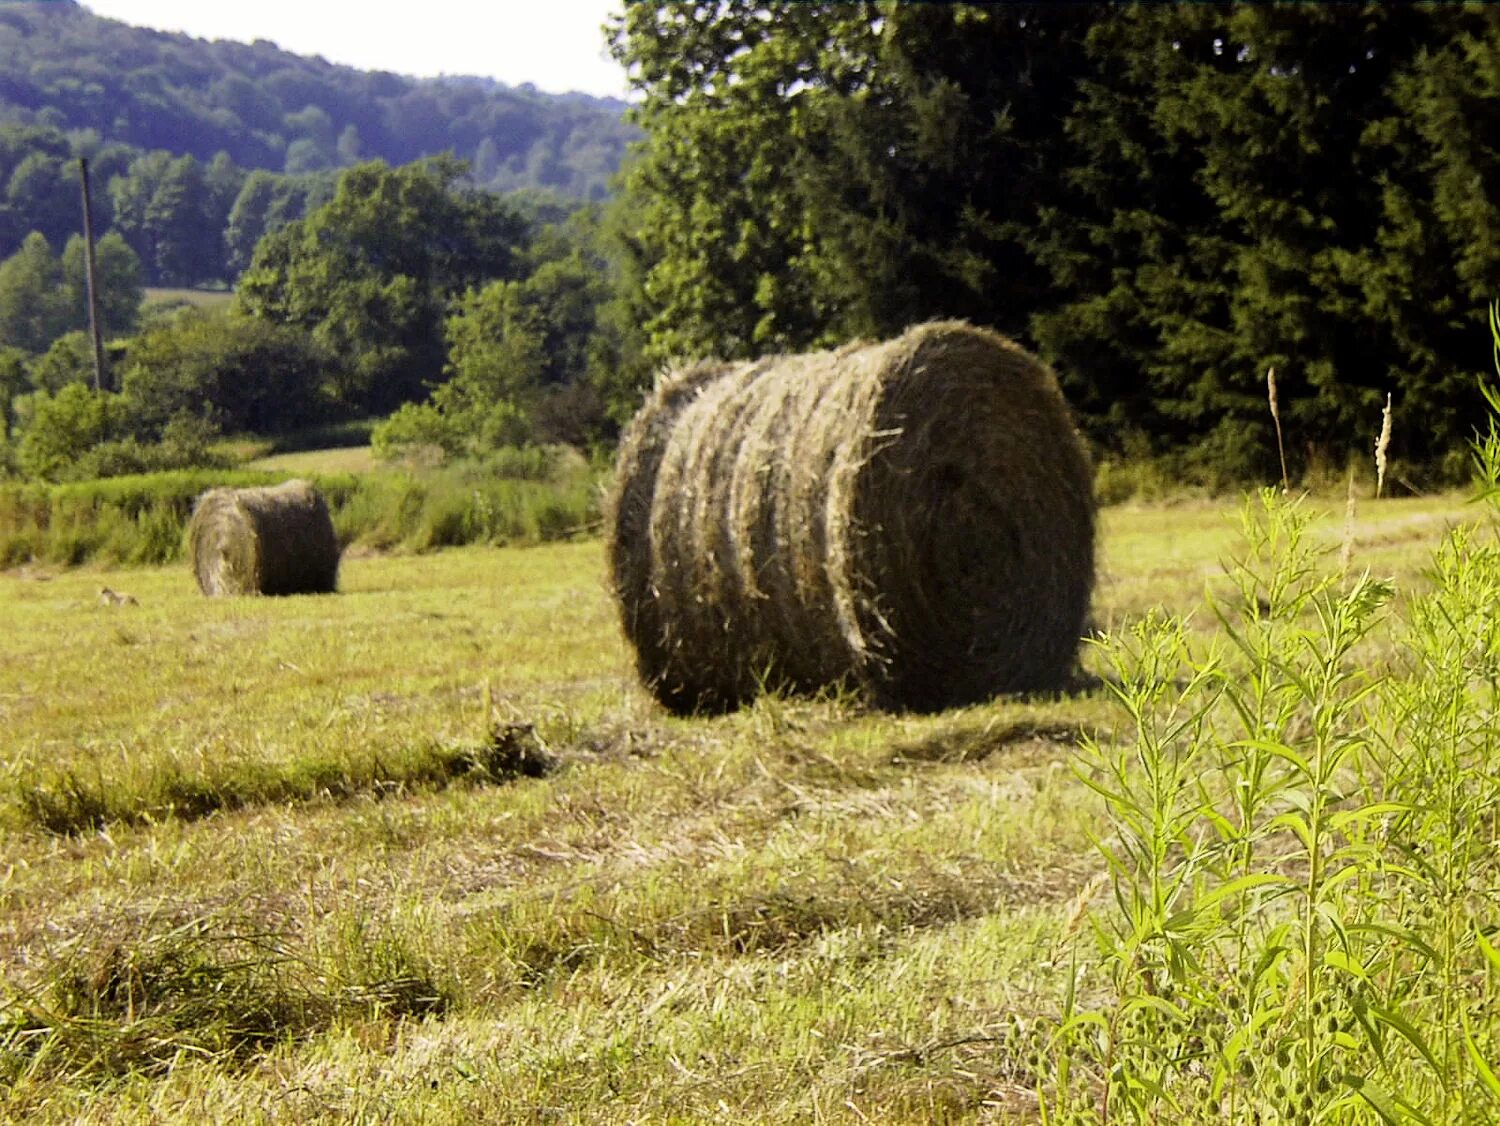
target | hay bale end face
x=275, y=540
x=913, y=518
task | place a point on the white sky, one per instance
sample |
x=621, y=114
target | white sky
x=557, y=45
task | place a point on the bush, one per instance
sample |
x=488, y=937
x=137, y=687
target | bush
x=254, y=377
x=413, y=428
x=66, y=426
x=70, y=359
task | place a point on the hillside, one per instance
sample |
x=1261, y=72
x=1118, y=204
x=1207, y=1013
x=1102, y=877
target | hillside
x=199, y=149
x=61, y=65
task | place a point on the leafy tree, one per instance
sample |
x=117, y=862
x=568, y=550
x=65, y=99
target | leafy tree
x=120, y=280
x=529, y=359
x=44, y=193
x=1246, y=189
x=64, y=427
x=486, y=161
x=33, y=309
x=819, y=171
x=371, y=274
x=131, y=196
x=313, y=123
x=42, y=299
x=224, y=179
x=69, y=360
x=248, y=216
x=183, y=226
x=13, y=382
x=1166, y=200
x=243, y=374
x=306, y=155
x=350, y=146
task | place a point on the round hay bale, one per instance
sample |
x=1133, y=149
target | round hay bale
x=914, y=519
x=276, y=540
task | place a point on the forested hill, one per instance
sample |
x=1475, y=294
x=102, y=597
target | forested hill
x=64, y=67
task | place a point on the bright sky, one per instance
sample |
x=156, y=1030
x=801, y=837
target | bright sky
x=557, y=45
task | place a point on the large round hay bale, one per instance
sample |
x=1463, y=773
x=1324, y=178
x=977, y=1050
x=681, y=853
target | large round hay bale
x=913, y=518
x=275, y=540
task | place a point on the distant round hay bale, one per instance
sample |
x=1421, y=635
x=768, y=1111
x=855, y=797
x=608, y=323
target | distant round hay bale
x=275, y=540
x=914, y=519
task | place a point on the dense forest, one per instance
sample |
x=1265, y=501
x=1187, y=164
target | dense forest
x=200, y=148
x=1163, y=200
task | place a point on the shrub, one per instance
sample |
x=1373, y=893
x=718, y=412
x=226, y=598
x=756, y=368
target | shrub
x=66, y=426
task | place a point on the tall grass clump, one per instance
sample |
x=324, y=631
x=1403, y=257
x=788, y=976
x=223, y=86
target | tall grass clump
x=1304, y=903
x=516, y=497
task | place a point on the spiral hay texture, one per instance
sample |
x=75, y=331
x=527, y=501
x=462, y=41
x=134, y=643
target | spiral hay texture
x=277, y=540
x=914, y=519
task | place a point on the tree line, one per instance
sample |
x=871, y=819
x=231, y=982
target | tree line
x=149, y=107
x=472, y=319
x=1163, y=200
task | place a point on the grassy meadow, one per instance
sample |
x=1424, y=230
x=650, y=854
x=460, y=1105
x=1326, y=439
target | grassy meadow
x=198, y=298
x=424, y=851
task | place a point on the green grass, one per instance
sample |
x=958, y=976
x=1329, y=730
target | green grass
x=314, y=463
x=201, y=298
x=142, y=518
x=279, y=858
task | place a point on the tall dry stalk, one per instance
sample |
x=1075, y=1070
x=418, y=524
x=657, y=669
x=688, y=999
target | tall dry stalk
x=1382, y=444
x=1276, y=418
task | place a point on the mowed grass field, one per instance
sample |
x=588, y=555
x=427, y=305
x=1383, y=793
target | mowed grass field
x=201, y=298
x=424, y=851
x=350, y=459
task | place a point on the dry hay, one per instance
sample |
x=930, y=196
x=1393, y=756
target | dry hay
x=913, y=518
x=276, y=540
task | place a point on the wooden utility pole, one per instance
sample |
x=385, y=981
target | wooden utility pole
x=93, y=280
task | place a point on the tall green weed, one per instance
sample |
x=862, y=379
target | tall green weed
x=1304, y=903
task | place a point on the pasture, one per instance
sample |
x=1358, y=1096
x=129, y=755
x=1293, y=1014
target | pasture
x=424, y=850
x=349, y=459
x=168, y=296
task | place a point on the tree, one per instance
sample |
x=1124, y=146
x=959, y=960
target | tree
x=529, y=360
x=350, y=146
x=44, y=193
x=131, y=196
x=64, y=427
x=819, y=171
x=371, y=274
x=185, y=231
x=13, y=382
x=1246, y=190
x=224, y=179
x=120, y=286
x=33, y=309
x=243, y=374
x=246, y=224
x=69, y=360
